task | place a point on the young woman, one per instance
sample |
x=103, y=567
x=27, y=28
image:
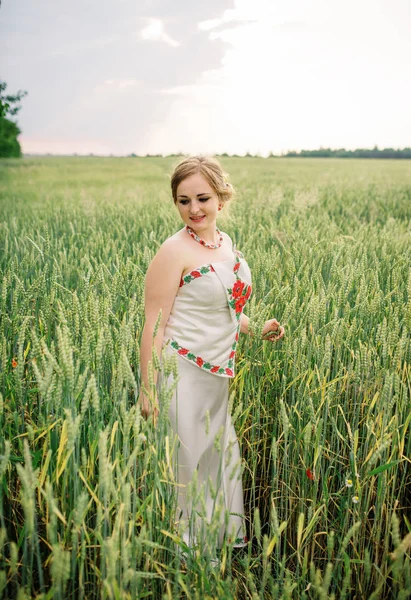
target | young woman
x=201, y=285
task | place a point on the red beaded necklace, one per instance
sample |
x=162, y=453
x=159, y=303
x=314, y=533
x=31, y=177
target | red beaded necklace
x=202, y=242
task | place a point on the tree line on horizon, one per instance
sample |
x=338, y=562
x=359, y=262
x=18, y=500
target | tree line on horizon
x=320, y=153
x=357, y=153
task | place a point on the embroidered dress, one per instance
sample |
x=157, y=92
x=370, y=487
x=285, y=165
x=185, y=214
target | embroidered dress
x=203, y=330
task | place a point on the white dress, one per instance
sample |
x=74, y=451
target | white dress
x=203, y=330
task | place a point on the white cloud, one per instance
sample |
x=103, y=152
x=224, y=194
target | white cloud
x=210, y=24
x=154, y=32
x=193, y=90
x=259, y=11
x=296, y=75
x=64, y=58
x=281, y=75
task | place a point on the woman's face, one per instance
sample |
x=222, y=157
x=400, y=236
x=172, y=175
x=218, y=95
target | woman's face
x=197, y=203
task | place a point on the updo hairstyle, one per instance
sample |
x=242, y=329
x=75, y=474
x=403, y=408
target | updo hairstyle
x=212, y=172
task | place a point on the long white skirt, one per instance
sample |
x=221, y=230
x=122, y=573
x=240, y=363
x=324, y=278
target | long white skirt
x=208, y=462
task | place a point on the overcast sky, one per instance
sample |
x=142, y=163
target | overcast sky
x=236, y=76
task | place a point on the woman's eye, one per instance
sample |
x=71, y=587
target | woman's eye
x=183, y=201
x=203, y=199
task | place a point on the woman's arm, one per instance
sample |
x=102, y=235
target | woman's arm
x=272, y=330
x=244, y=322
x=161, y=286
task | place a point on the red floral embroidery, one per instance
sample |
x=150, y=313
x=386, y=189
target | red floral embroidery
x=240, y=303
x=238, y=296
x=200, y=362
x=238, y=288
x=240, y=292
x=196, y=274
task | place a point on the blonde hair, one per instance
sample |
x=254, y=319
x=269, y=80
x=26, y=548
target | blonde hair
x=210, y=169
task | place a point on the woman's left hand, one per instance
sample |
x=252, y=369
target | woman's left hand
x=272, y=331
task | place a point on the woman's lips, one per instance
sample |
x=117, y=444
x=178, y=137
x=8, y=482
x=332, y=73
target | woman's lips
x=197, y=219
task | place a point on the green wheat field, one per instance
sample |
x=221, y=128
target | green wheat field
x=88, y=492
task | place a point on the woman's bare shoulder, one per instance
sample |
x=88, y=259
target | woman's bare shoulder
x=171, y=250
x=176, y=237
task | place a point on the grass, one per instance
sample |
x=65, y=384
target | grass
x=87, y=492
